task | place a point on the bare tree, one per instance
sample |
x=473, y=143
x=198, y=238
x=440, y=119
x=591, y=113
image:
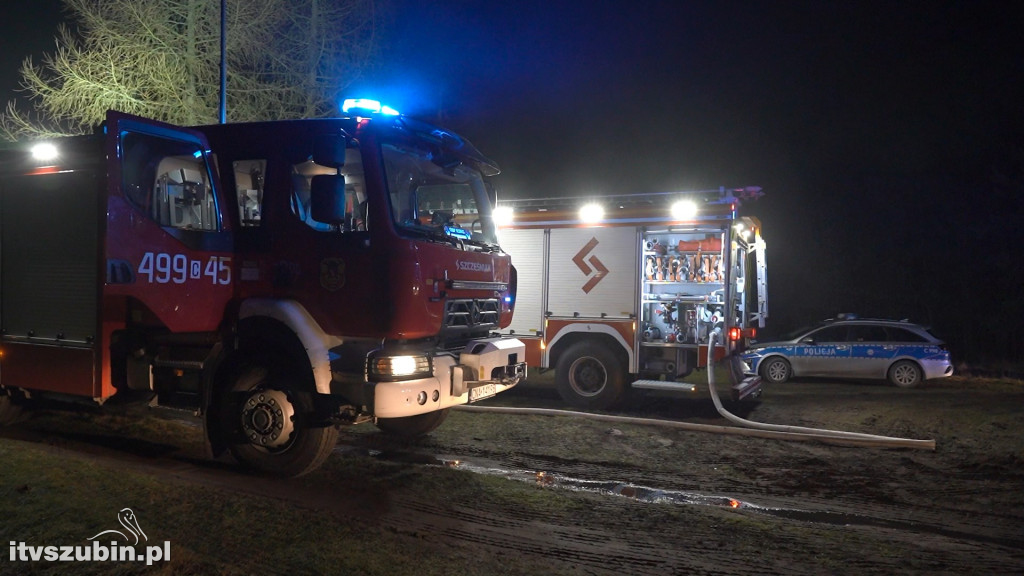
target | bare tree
x=160, y=59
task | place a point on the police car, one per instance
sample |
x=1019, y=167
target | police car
x=848, y=347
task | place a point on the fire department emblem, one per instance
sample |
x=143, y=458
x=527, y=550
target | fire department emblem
x=332, y=273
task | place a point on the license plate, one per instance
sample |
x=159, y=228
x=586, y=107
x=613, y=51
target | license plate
x=481, y=392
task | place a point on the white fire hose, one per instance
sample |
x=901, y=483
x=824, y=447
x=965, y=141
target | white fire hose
x=855, y=438
x=752, y=429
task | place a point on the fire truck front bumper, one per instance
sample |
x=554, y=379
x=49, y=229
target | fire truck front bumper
x=483, y=368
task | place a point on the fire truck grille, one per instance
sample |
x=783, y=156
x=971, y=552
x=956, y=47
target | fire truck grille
x=468, y=318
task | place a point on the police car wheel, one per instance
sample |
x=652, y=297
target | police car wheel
x=905, y=374
x=776, y=370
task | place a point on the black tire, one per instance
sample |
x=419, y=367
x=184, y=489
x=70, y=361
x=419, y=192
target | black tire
x=412, y=426
x=905, y=374
x=776, y=370
x=266, y=421
x=590, y=375
x=9, y=410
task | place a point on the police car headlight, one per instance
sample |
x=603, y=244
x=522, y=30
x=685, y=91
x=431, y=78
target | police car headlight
x=398, y=367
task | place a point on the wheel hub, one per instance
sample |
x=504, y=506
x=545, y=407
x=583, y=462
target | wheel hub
x=905, y=375
x=267, y=418
x=587, y=376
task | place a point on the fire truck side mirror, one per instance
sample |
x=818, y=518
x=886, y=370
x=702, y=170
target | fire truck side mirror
x=327, y=198
x=329, y=150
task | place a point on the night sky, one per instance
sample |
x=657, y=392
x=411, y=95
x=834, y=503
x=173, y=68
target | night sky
x=887, y=135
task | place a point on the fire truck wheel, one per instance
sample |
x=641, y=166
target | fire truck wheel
x=590, y=375
x=264, y=418
x=776, y=370
x=411, y=426
x=905, y=374
x=9, y=411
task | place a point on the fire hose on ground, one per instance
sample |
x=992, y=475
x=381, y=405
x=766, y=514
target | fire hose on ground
x=750, y=428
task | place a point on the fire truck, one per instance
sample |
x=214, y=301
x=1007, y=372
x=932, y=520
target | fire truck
x=620, y=292
x=278, y=279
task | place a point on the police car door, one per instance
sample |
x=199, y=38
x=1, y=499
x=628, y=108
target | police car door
x=870, y=351
x=824, y=352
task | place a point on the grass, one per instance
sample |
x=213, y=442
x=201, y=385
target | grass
x=53, y=496
x=50, y=497
x=344, y=518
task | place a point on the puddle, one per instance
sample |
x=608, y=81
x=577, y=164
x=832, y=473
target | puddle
x=625, y=489
x=640, y=493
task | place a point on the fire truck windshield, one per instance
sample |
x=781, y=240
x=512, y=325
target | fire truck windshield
x=437, y=196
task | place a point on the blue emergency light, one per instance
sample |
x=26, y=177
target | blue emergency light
x=456, y=232
x=366, y=105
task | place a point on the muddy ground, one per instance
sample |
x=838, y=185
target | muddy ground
x=801, y=507
x=639, y=499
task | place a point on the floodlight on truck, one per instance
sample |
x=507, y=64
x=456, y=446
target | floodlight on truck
x=591, y=213
x=743, y=231
x=684, y=210
x=503, y=216
x=44, y=151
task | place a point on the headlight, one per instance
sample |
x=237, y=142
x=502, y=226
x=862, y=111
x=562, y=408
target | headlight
x=398, y=367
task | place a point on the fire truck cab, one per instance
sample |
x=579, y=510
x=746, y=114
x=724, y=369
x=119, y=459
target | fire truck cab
x=624, y=291
x=276, y=278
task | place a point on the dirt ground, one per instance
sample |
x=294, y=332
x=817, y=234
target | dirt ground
x=648, y=499
x=776, y=507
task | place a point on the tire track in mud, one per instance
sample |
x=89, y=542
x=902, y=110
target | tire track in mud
x=860, y=503
x=625, y=546
x=825, y=509
x=644, y=551
x=611, y=539
x=600, y=550
x=528, y=536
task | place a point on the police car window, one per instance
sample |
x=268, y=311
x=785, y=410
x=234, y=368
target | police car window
x=903, y=335
x=169, y=181
x=830, y=334
x=868, y=334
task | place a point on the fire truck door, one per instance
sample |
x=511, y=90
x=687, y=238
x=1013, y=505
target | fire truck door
x=167, y=244
x=592, y=272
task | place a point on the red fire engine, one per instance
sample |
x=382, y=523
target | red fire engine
x=276, y=278
x=621, y=291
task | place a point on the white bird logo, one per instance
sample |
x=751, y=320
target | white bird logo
x=127, y=519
